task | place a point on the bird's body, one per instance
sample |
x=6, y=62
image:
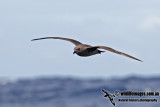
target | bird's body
x=85, y=50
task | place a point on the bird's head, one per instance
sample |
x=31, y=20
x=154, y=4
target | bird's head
x=77, y=49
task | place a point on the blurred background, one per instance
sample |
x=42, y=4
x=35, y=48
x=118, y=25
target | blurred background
x=38, y=73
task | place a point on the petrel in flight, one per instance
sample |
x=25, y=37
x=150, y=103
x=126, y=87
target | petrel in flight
x=87, y=50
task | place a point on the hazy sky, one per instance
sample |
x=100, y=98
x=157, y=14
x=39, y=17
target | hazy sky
x=130, y=26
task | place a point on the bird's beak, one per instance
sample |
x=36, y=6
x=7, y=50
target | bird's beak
x=74, y=52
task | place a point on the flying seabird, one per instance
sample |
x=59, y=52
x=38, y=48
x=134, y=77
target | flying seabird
x=87, y=50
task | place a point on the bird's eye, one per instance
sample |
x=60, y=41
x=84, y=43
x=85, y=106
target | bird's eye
x=78, y=49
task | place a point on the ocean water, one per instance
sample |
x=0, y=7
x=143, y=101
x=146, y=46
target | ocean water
x=72, y=92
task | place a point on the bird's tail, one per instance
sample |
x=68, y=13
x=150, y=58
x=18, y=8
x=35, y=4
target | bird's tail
x=100, y=51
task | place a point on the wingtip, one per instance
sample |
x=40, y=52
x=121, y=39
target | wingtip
x=41, y=38
x=139, y=60
x=35, y=39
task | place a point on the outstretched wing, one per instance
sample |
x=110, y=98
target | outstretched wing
x=67, y=39
x=115, y=51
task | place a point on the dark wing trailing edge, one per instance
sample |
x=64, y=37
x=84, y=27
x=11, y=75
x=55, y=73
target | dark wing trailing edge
x=67, y=39
x=115, y=51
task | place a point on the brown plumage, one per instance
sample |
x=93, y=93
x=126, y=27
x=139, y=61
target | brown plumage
x=87, y=50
